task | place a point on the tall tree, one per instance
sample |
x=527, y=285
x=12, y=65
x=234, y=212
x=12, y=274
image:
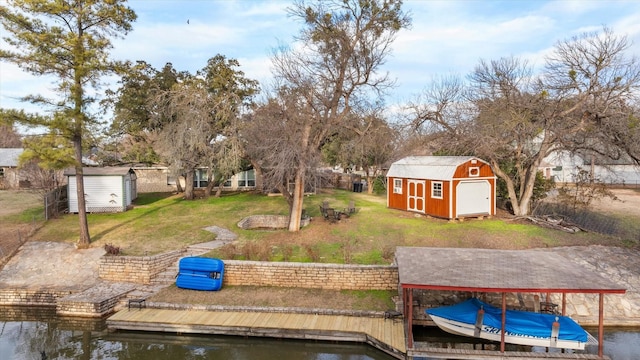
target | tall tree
x=71, y=41
x=336, y=68
x=9, y=137
x=234, y=95
x=132, y=128
x=584, y=100
x=196, y=120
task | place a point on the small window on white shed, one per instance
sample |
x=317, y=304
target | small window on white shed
x=397, y=186
x=436, y=190
x=474, y=171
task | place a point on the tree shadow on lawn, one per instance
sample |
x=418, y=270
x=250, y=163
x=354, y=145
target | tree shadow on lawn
x=143, y=213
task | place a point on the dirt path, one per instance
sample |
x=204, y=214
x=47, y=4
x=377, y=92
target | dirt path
x=628, y=203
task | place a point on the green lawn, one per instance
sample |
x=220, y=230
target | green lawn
x=161, y=222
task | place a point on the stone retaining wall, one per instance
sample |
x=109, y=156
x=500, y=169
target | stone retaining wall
x=136, y=269
x=82, y=308
x=268, y=222
x=31, y=297
x=257, y=273
x=311, y=275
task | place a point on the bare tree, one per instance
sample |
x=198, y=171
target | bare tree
x=367, y=143
x=9, y=137
x=583, y=100
x=274, y=141
x=341, y=50
x=185, y=139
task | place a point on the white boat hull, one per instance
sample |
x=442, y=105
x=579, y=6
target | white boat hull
x=494, y=334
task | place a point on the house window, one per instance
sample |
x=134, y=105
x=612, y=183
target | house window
x=171, y=179
x=228, y=182
x=474, y=171
x=247, y=178
x=397, y=186
x=436, y=189
x=200, y=178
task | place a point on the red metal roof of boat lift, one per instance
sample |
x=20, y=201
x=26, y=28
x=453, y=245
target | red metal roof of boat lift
x=488, y=270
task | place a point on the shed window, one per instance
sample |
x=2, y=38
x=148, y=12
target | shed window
x=436, y=190
x=397, y=186
x=474, y=171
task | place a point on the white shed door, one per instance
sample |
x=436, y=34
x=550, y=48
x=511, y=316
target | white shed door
x=415, y=195
x=473, y=197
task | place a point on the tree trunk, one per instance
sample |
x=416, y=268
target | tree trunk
x=370, y=178
x=298, y=197
x=210, y=183
x=84, y=239
x=188, y=185
x=178, y=184
x=258, y=174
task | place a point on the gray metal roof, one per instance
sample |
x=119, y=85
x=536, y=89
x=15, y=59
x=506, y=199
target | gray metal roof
x=428, y=167
x=490, y=270
x=99, y=171
x=9, y=157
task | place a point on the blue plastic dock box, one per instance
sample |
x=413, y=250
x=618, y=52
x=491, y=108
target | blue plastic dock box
x=198, y=273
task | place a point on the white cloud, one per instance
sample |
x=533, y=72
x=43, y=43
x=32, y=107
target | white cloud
x=446, y=36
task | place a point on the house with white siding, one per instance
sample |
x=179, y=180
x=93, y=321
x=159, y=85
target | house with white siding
x=107, y=189
x=158, y=178
x=563, y=167
x=10, y=175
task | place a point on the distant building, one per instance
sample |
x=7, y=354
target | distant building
x=10, y=175
x=159, y=179
x=563, y=167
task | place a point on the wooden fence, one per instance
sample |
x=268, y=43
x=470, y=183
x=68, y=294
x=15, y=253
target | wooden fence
x=55, y=202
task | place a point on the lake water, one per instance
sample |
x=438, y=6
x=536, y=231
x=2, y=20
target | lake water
x=36, y=334
x=22, y=337
x=619, y=343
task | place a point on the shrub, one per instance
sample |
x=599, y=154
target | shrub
x=112, y=249
x=379, y=186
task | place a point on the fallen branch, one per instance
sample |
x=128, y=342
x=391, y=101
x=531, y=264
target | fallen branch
x=552, y=223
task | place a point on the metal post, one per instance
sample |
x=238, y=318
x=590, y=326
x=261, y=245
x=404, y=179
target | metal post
x=601, y=326
x=409, y=316
x=504, y=321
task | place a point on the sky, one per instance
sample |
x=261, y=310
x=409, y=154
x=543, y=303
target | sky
x=446, y=37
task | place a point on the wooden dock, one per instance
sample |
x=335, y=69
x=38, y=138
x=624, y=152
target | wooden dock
x=465, y=354
x=385, y=334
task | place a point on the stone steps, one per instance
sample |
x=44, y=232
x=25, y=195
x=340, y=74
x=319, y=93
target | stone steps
x=96, y=301
x=168, y=276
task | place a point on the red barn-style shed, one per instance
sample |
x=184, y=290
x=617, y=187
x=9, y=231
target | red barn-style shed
x=449, y=187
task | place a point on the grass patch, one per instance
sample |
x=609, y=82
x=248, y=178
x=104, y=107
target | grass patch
x=162, y=222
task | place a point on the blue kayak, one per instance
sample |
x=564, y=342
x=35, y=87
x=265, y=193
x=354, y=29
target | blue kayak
x=199, y=273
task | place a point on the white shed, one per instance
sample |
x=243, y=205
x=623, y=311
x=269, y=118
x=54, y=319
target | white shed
x=107, y=190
